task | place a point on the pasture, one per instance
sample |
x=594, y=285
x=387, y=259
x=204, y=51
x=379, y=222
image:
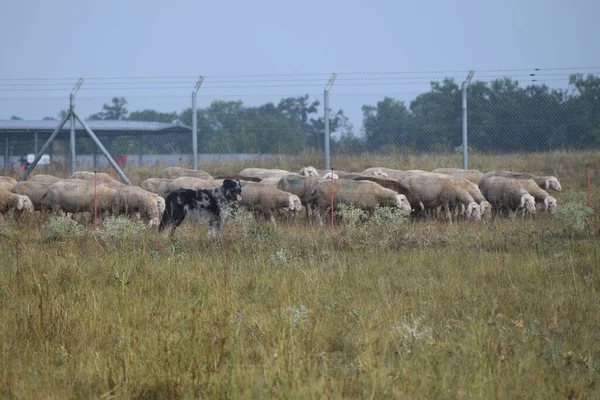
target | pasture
x=390, y=308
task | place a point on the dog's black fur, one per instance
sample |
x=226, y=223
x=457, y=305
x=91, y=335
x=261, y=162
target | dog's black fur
x=207, y=205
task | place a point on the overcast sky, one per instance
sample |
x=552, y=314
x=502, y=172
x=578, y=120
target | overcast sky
x=120, y=38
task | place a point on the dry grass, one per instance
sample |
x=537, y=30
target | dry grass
x=503, y=309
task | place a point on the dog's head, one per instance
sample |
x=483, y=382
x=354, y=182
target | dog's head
x=232, y=190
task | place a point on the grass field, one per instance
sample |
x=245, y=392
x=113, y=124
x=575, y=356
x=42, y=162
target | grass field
x=386, y=309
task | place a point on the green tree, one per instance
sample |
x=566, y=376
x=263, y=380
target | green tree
x=203, y=126
x=386, y=125
x=272, y=134
x=114, y=111
x=152, y=116
x=436, y=118
x=582, y=112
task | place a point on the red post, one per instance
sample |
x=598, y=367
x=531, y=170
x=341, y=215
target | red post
x=95, y=203
x=589, y=189
x=332, y=227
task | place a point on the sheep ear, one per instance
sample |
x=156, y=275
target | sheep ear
x=522, y=201
x=546, y=203
x=20, y=203
x=547, y=184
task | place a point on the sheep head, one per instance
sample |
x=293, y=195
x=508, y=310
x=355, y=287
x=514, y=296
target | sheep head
x=27, y=204
x=20, y=203
x=295, y=203
x=380, y=173
x=402, y=202
x=153, y=222
x=550, y=204
x=528, y=203
x=486, y=209
x=474, y=211
x=308, y=171
x=328, y=176
x=552, y=183
x=160, y=202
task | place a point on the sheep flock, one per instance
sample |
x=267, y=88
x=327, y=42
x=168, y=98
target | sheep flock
x=447, y=194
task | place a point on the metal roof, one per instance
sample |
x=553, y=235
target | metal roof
x=43, y=126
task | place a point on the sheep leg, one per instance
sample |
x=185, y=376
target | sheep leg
x=448, y=212
x=309, y=210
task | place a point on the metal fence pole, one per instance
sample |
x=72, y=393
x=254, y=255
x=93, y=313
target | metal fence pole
x=326, y=112
x=72, y=140
x=102, y=149
x=195, y=124
x=72, y=135
x=46, y=145
x=464, y=119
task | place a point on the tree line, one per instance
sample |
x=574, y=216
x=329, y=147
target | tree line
x=502, y=117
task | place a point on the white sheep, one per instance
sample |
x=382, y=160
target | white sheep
x=365, y=195
x=302, y=186
x=308, y=171
x=507, y=194
x=176, y=172
x=8, y=179
x=327, y=176
x=186, y=182
x=472, y=175
x=130, y=200
x=6, y=185
x=385, y=172
x=156, y=185
x=540, y=195
x=475, y=192
x=273, y=181
x=545, y=182
x=50, y=179
x=262, y=173
x=266, y=200
x=99, y=177
x=76, y=195
x=438, y=191
x=36, y=191
x=12, y=202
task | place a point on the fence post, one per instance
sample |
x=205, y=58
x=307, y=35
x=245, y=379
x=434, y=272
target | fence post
x=195, y=124
x=326, y=112
x=465, y=153
x=72, y=117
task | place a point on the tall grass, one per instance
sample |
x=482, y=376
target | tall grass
x=389, y=309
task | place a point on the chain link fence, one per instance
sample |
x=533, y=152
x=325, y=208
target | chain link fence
x=264, y=118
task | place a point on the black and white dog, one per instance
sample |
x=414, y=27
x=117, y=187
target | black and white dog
x=205, y=205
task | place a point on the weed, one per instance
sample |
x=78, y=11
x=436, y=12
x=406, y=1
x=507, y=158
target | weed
x=574, y=216
x=412, y=333
x=297, y=315
x=350, y=215
x=57, y=228
x=121, y=228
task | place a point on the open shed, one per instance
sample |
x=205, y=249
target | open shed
x=18, y=138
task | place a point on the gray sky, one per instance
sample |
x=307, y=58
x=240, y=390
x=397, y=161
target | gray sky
x=120, y=38
x=63, y=38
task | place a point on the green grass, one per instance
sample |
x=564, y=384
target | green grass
x=500, y=309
